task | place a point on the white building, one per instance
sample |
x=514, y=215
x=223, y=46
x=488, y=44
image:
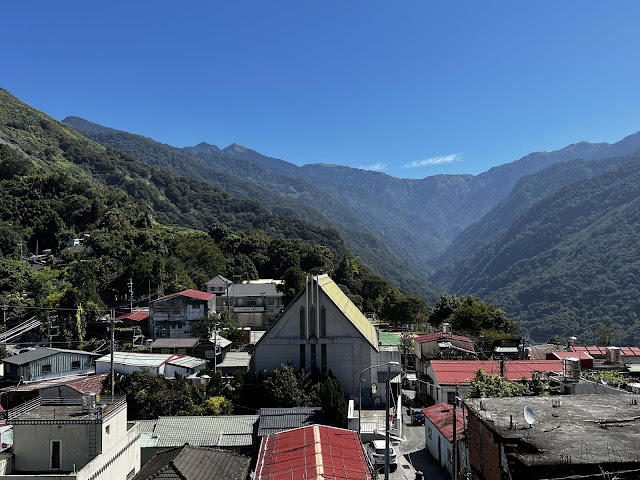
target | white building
x=253, y=304
x=438, y=429
x=322, y=328
x=218, y=285
x=164, y=364
x=172, y=316
x=54, y=440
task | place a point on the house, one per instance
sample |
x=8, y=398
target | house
x=276, y=420
x=441, y=345
x=45, y=363
x=65, y=388
x=156, y=363
x=315, y=451
x=172, y=316
x=576, y=436
x=72, y=440
x=321, y=328
x=233, y=362
x=586, y=360
x=229, y=432
x=253, y=304
x=438, y=428
x=218, y=285
x=510, y=348
x=195, y=347
x=625, y=355
x=196, y=463
x=443, y=376
x=138, y=319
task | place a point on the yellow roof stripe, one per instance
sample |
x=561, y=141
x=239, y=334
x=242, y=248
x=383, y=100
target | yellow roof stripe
x=349, y=309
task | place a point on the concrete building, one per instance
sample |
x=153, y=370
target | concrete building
x=322, y=328
x=172, y=316
x=54, y=440
x=45, y=363
x=253, y=304
x=577, y=436
x=156, y=363
x=442, y=377
x=218, y=285
x=435, y=345
x=438, y=429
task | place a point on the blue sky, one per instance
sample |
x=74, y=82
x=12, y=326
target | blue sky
x=411, y=88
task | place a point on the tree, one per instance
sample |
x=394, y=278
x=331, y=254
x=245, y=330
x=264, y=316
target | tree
x=334, y=405
x=284, y=388
x=606, y=335
x=205, y=327
x=474, y=314
x=443, y=309
x=487, y=385
x=294, y=279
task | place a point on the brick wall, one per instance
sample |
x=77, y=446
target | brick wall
x=484, y=452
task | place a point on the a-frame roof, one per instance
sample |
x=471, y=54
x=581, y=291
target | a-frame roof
x=342, y=302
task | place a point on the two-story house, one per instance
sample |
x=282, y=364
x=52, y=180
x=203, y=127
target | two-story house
x=218, y=285
x=172, y=316
x=253, y=304
x=322, y=328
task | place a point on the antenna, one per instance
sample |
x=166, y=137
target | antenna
x=529, y=417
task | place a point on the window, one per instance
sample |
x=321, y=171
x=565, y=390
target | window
x=75, y=365
x=323, y=322
x=46, y=368
x=165, y=350
x=182, y=351
x=429, y=434
x=303, y=364
x=107, y=429
x=451, y=397
x=303, y=330
x=382, y=377
x=271, y=301
x=312, y=322
x=55, y=454
x=313, y=356
x=323, y=353
x=208, y=353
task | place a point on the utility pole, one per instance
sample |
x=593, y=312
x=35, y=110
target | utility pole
x=387, y=443
x=113, y=324
x=455, y=440
x=215, y=347
x=49, y=328
x=4, y=316
x=130, y=284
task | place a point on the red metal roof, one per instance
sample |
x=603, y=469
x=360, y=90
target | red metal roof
x=541, y=353
x=200, y=295
x=450, y=372
x=316, y=451
x=581, y=355
x=441, y=336
x=135, y=316
x=601, y=352
x=441, y=416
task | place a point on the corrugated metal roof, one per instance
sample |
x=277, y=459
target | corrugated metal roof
x=450, y=372
x=175, y=343
x=312, y=452
x=89, y=384
x=388, y=338
x=219, y=279
x=253, y=290
x=137, y=359
x=441, y=416
x=39, y=353
x=274, y=420
x=135, y=316
x=190, y=293
x=208, y=431
x=348, y=308
x=578, y=355
x=235, y=359
x=434, y=337
x=54, y=382
x=186, y=361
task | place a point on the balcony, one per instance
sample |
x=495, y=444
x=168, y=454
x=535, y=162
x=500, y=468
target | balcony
x=248, y=309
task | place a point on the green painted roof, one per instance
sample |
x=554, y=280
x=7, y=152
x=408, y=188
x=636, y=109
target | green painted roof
x=387, y=338
x=348, y=308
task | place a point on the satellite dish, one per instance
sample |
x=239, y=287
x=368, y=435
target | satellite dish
x=529, y=417
x=604, y=381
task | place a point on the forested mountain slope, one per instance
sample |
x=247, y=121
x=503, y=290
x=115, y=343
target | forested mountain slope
x=294, y=196
x=570, y=262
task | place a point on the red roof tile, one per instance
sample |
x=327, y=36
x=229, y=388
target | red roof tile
x=189, y=293
x=88, y=384
x=316, y=451
x=450, y=372
x=135, y=316
x=441, y=416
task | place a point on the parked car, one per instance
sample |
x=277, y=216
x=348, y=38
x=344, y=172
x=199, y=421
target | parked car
x=417, y=416
x=376, y=451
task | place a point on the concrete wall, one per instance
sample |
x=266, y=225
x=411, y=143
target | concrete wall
x=348, y=353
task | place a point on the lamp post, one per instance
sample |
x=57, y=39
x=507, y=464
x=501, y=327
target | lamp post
x=386, y=443
x=360, y=380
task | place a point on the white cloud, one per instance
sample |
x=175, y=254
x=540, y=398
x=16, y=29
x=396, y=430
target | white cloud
x=437, y=160
x=376, y=167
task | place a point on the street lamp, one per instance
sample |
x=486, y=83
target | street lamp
x=386, y=445
x=360, y=392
